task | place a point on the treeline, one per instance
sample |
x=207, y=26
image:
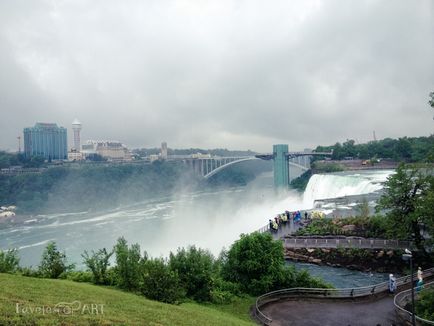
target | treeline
x=12, y=159
x=96, y=187
x=92, y=186
x=406, y=149
x=253, y=265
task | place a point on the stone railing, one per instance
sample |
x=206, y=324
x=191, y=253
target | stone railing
x=344, y=242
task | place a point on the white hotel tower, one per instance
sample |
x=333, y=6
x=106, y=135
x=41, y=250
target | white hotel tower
x=76, y=127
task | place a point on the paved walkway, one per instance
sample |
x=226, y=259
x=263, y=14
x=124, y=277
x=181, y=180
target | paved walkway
x=311, y=312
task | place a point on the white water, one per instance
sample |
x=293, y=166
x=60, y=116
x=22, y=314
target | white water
x=334, y=185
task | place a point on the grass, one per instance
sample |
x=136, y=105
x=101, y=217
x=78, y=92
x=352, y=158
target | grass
x=119, y=307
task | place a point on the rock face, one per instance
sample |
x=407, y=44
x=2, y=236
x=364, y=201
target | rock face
x=348, y=228
x=361, y=259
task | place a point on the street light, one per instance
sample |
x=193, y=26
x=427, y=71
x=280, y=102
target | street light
x=409, y=256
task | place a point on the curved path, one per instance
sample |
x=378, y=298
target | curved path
x=311, y=312
x=371, y=305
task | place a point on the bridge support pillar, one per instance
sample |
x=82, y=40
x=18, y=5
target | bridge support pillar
x=281, y=166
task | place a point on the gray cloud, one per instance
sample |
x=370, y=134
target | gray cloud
x=235, y=74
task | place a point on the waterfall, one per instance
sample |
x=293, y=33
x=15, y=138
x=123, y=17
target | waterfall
x=333, y=185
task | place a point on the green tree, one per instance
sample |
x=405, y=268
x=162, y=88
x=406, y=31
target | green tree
x=160, y=282
x=9, y=261
x=127, y=265
x=195, y=268
x=53, y=262
x=97, y=263
x=408, y=199
x=255, y=261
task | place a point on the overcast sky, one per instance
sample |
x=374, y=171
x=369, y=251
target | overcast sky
x=224, y=73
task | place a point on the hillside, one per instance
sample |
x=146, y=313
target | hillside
x=119, y=308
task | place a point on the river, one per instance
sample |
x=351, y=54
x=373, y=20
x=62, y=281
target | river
x=210, y=220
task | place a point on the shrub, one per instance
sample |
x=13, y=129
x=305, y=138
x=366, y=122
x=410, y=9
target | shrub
x=9, y=261
x=255, y=261
x=53, y=262
x=127, y=265
x=98, y=263
x=195, y=268
x=77, y=276
x=425, y=304
x=160, y=282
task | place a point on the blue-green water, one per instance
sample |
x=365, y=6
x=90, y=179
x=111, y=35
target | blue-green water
x=342, y=277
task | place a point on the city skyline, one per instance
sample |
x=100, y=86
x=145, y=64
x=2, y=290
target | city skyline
x=236, y=75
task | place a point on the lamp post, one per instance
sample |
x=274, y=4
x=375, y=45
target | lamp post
x=409, y=256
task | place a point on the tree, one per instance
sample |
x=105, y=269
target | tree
x=160, y=282
x=127, y=264
x=9, y=261
x=195, y=269
x=408, y=199
x=53, y=262
x=98, y=263
x=254, y=261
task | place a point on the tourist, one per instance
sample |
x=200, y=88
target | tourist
x=392, y=283
x=419, y=274
x=275, y=226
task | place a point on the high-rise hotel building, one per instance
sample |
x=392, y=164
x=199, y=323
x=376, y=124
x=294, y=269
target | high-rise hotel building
x=46, y=140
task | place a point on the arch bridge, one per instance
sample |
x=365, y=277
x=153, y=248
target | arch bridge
x=209, y=166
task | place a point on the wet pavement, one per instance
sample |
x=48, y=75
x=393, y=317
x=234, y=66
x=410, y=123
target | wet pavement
x=311, y=312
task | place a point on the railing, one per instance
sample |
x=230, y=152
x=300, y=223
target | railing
x=302, y=242
x=326, y=294
x=404, y=297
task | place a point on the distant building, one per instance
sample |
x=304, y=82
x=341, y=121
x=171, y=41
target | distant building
x=154, y=157
x=164, y=151
x=111, y=150
x=76, y=128
x=74, y=155
x=46, y=140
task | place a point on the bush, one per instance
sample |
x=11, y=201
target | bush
x=425, y=304
x=255, y=261
x=9, y=261
x=195, y=268
x=53, y=262
x=98, y=264
x=29, y=272
x=77, y=276
x=160, y=282
x=127, y=265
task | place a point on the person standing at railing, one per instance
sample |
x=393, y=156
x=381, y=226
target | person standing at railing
x=420, y=274
x=392, y=283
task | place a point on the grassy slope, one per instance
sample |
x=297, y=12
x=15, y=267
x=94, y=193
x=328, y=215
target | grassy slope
x=120, y=308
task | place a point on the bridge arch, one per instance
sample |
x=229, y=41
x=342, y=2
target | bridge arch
x=249, y=158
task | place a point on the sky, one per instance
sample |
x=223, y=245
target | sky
x=236, y=74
